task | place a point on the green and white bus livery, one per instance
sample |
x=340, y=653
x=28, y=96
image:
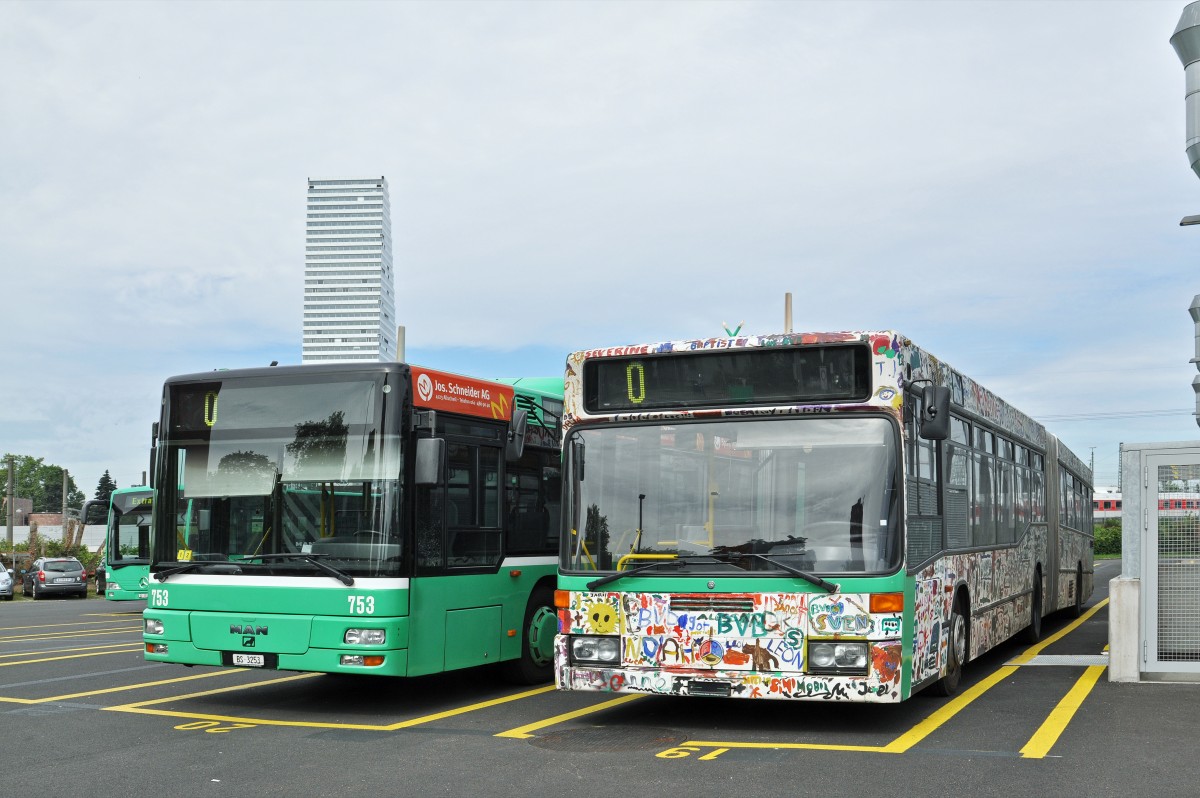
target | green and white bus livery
x=126, y=550
x=355, y=518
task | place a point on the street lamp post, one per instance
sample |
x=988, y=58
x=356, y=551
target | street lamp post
x=1186, y=41
x=1194, y=310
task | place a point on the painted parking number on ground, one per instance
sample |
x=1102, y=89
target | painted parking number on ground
x=213, y=727
x=684, y=751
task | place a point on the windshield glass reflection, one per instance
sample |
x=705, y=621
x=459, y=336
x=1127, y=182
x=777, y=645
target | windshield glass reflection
x=272, y=466
x=818, y=494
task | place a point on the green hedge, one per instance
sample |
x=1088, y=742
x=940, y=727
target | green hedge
x=1108, y=537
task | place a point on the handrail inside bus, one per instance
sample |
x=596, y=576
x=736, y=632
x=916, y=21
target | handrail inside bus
x=631, y=556
x=583, y=546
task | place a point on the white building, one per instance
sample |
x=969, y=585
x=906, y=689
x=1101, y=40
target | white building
x=349, y=304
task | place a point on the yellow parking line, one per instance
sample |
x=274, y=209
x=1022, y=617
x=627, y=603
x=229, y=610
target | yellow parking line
x=141, y=707
x=68, y=656
x=32, y=638
x=898, y=746
x=137, y=706
x=1031, y=652
x=1056, y=723
x=17, y=654
x=139, y=686
x=1041, y=742
x=57, y=625
x=783, y=746
x=952, y=707
x=523, y=732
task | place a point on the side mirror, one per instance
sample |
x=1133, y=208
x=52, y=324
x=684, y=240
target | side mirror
x=90, y=508
x=431, y=453
x=935, y=413
x=516, y=435
x=153, y=451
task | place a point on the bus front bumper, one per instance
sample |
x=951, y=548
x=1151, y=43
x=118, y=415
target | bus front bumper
x=289, y=643
x=788, y=685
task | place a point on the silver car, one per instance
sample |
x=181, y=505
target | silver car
x=6, y=584
x=55, y=576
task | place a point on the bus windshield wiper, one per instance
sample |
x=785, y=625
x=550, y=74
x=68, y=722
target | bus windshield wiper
x=604, y=580
x=222, y=567
x=313, y=559
x=827, y=586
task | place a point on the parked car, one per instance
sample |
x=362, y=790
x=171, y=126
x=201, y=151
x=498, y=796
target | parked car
x=55, y=576
x=6, y=584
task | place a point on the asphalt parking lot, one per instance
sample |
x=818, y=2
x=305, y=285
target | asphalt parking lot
x=78, y=698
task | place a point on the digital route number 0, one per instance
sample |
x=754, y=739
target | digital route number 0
x=630, y=371
x=210, y=408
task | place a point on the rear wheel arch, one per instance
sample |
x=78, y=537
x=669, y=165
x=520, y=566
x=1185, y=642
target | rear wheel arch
x=1033, y=632
x=958, y=643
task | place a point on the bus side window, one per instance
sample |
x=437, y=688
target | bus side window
x=473, y=505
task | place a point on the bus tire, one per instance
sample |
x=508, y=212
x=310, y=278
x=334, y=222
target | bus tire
x=956, y=650
x=536, y=663
x=1077, y=608
x=1033, y=632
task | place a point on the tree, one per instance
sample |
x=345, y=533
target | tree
x=596, y=530
x=320, y=446
x=105, y=488
x=42, y=483
x=246, y=464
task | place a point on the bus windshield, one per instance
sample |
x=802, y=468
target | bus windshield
x=263, y=467
x=129, y=537
x=818, y=494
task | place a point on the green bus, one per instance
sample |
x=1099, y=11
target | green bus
x=126, y=557
x=819, y=516
x=375, y=518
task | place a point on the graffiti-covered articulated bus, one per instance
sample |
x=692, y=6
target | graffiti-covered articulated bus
x=821, y=516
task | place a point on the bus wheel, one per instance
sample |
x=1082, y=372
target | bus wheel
x=536, y=663
x=956, y=651
x=1077, y=610
x=1033, y=632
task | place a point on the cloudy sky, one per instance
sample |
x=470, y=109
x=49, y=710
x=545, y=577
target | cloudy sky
x=1001, y=182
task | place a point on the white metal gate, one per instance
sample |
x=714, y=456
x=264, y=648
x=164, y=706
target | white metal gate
x=1171, y=563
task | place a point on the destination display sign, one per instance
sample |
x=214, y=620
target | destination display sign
x=731, y=377
x=453, y=393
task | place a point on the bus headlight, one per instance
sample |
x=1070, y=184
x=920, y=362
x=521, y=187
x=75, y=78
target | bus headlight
x=365, y=637
x=113, y=586
x=361, y=660
x=837, y=657
x=153, y=626
x=604, y=650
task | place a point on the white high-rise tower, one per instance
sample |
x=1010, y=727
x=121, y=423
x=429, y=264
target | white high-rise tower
x=349, y=304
